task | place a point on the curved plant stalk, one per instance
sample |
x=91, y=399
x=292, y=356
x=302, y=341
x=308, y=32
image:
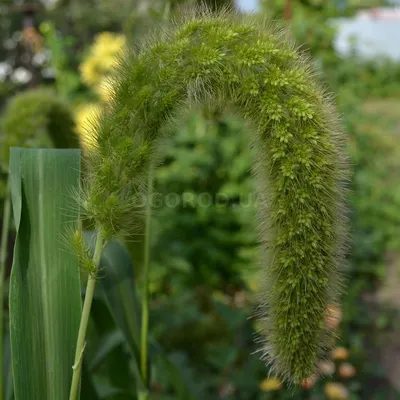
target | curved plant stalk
x=80, y=345
x=3, y=258
x=228, y=61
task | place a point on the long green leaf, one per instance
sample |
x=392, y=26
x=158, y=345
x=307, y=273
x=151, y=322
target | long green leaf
x=119, y=290
x=45, y=302
x=109, y=342
x=106, y=354
x=183, y=391
x=116, y=281
x=8, y=390
x=88, y=389
x=118, y=285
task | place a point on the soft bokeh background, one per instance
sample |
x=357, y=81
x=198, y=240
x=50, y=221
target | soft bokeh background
x=203, y=257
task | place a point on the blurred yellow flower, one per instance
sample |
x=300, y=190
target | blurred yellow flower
x=253, y=284
x=270, y=384
x=84, y=116
x=336, y=391
x=103, y=56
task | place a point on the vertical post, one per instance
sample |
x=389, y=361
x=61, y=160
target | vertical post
x=288, y=12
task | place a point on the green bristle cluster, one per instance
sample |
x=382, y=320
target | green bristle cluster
x=82, y=250
x=245, y=65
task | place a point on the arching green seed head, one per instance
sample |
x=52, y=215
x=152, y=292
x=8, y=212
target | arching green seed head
x=228, y=61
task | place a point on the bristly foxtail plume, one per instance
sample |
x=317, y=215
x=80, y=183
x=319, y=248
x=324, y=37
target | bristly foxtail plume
x=299, y=164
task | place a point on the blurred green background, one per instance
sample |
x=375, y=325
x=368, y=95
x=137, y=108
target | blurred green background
x=203, y=256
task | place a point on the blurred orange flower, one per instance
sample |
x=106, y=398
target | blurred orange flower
x=309, y=382
x=333, y=316
x=340, y=353
x=32, y=38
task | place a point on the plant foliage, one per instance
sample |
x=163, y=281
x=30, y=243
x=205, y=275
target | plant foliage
x=45, y=303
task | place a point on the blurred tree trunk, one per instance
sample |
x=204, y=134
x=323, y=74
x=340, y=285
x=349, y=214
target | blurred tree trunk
x=288, y=12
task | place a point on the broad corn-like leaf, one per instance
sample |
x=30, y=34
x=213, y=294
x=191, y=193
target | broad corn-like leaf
x=45, y=302
x=8, y=389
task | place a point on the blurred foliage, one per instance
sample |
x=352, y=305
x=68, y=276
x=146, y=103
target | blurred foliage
x=313, y=26
x=204, y=245
x=35, y=118
x=200, y=294
x=134, y=18
x=204, y=191
x=184, y=248
x=201, y=254
x=59, y=65
x=374, y=223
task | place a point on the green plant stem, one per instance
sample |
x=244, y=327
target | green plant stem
x=80, y=345
x=3, y=257
x=145, y=297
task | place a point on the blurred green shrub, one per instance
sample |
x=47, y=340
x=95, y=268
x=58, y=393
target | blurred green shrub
x=61, y=62
x=204, y=242
x=201, y=253
x=205, y=230
x=200, y=326
x=35, y=118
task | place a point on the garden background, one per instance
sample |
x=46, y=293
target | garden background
x=203, y=252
